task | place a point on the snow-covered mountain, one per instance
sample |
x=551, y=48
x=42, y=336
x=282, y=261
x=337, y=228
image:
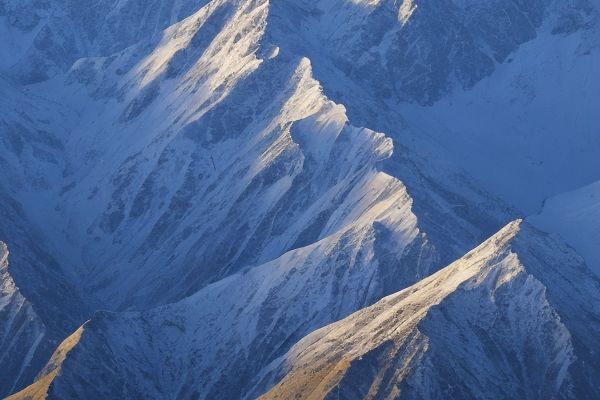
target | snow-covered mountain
x=224, y=177
x=517, y=317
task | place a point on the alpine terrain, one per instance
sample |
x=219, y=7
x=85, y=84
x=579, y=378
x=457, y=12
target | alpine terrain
x=299, y=199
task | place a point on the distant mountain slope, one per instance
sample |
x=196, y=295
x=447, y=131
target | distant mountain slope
x=532, y=123
x=506, y=90
x=43, y=38
x=575, y=216
x=518, y=317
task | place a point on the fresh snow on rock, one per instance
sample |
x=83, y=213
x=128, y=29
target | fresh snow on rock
x=220, y=337
x=21, y=331
x=505, y=321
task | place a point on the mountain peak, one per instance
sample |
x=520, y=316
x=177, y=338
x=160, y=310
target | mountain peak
x=436, y=338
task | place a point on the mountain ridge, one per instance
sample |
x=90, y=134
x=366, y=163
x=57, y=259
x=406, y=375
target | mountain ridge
x=161, y=155
x=394, y=361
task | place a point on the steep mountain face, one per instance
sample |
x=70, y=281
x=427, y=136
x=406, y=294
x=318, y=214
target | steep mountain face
x=515, y=318
x=34, y=317
x=212, y=344
x=22, y=330
x=523, y=307
x=201, y=162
